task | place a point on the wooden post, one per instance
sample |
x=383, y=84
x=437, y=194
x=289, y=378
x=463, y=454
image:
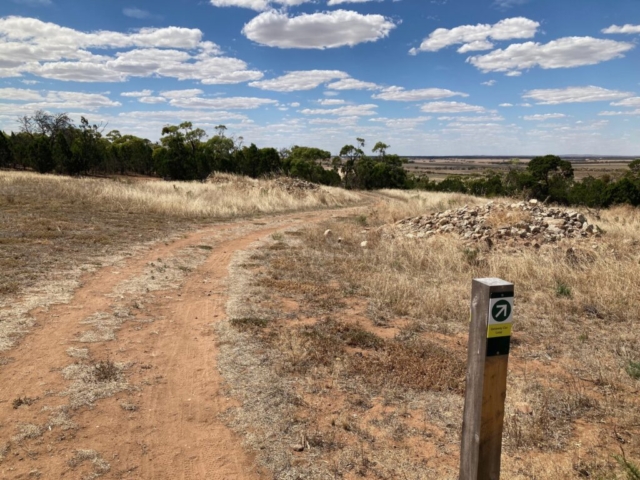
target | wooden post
x=486, y=388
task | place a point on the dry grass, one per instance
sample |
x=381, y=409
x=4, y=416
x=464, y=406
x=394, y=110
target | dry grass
x=54, y=228
x=358, y=349
x=233, y=197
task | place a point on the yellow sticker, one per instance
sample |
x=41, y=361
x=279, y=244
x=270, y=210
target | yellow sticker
x=500, y=330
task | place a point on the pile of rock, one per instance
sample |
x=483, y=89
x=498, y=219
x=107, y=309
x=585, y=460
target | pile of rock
x=295, y=185
x=528, y=223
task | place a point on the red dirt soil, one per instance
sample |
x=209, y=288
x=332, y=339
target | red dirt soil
x=175, y=432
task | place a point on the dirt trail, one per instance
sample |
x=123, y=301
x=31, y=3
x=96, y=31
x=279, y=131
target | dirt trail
x=160, y=419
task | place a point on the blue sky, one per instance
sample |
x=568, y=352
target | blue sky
x=428, y=77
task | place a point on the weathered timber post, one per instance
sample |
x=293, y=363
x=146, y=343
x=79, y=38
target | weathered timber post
x=486, y=389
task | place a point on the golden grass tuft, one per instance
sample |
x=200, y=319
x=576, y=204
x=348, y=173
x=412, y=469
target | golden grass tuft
x=238, y=196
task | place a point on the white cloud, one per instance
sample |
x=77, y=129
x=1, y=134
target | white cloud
x=555, y=96
x=327, y=102
x=508, y=3
x=481, y=118
x=45, y=100
x=138, y=13
x=294, y=104
x=142, y=93
x=317, y=30
x=506, y=105
x=476, y=37
x=351, y=84
x=543, y=117
x=349, y=110
x=629, y=29
x=450, y=107
x=399, y=94
x=341, y=121
x=489, y=83
x=258, y=5
x=626, y=112
x=299, y=80
x=562, y=53
x=187, y=93
x=48, y=50
x=152, y=100
x=20, y=94
x=628, y=102
x=224, y=103
x=402, y=123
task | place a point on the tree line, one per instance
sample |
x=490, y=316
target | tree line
x=547, y=178
x=51, y=143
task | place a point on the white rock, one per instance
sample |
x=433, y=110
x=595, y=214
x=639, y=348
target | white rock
x=327, y=233
x=364, y=244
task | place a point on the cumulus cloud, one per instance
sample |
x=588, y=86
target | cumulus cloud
x=141, y=93
x=152, y=100
x=628, y=102
x=629, y=29
x=29, y=45
x=258, y=5
x=223, y=103
x=351, y=84
x=562, y=53
x=480, y=118
x=299, y=80
x=334, y=29
x=489, y=83
x=46, y=100
x=555, y=96
x=506, y=105
x=349, y=110
x=399, y=94
x=450, y=107
x=186, y=93
x=327, y=102
x=477, y=37
x=543, y=117
x=626, y=112
x=406, y=123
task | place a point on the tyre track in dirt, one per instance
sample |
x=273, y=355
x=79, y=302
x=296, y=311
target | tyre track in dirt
x=170, y=428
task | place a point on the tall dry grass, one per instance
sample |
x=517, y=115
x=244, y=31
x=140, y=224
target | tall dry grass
x=234, y=196
x=572, y=393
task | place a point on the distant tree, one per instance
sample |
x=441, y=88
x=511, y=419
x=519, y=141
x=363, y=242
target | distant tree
x=552, y=177
x=62, y=154
x=41, y=154
x=6, y=155
x=381, y=148
x=87, y=149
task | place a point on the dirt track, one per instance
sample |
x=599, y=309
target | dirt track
x=162, y=422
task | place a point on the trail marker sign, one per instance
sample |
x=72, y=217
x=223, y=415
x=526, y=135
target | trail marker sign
x=486, y=386
x=500, y=316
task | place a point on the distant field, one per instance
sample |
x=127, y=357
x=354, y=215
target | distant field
x=440, y=168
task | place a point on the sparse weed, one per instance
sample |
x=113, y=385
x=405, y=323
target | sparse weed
x=249, y=323
x=20, y=401
x=562, y=289
x=106, y=371
x=633, y=369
